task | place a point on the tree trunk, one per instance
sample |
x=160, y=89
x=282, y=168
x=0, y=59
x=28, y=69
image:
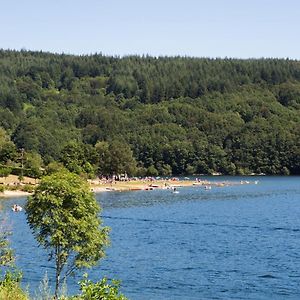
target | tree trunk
x=57, y=275
x=56, y=286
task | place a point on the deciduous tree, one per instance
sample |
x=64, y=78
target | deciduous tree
x=64, y=217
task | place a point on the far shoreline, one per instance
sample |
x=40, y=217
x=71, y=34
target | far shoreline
x=13, y=194
x=147, y=184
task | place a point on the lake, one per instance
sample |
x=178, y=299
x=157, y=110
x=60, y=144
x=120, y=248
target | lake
x=235, y=242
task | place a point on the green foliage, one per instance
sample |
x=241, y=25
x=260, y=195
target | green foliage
x=54, y=167
x=9, y=281
x=115, y=158
x=63, y=215
x=6, y=254
x=28, y=188
x=21, y=177
x=289, y=94
x=102, y=289
x=10, y=288
x=180, y=115
x=33, y=165
x=152, y=171
x=7, y=148
x=5, y=171
x=79, y=158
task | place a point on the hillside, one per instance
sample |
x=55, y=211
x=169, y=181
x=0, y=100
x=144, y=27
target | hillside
x=149, y=116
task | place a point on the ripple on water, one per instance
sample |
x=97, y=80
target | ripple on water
x=237, y=242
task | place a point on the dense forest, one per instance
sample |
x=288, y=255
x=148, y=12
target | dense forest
x=102, y=115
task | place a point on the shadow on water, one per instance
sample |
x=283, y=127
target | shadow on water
x=202, y=224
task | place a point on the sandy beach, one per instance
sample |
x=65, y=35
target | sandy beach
x=99, y=186
x=13, y=188
x=14, y=194
x=143, y=185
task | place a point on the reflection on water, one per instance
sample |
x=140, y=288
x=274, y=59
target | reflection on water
x=236, y=242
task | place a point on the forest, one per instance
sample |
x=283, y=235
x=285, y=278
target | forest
x=148, y=116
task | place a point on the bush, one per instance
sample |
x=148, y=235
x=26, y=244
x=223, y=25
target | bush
x=99, y=290
x=10, y=287
x=4, y=172
x=28, y=188
x=14, y=187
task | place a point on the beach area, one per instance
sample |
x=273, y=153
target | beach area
x=148, y=184
x=13, y=188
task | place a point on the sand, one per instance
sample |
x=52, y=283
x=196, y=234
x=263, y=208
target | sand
x=99, y=186
x=13, y=194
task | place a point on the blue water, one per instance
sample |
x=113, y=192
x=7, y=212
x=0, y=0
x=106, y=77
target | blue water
x=237, y=242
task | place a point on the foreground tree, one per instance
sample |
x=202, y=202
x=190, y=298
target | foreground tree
x=10, y=278
x=63, y=215
x=6, y=254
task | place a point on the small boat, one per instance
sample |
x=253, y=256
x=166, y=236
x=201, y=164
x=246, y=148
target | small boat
x=207, y=187
x=16, y=208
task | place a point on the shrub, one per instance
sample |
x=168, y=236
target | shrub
x=28, y=188
x=10, y=287
x=99, y=290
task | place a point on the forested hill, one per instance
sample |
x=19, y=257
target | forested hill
x=148, y=116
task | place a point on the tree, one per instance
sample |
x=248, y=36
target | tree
x=63, y=215
x=10, y=279
x=7, y=147
x=159, y=108
x=72, y=157
x=33, y=164
x=115, y=158
x=6, y=254
x=54, y=167
x=5, y=171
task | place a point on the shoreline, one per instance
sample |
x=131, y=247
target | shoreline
x=13, y=194
x=139, y=185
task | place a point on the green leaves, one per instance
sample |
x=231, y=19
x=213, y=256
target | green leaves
x=60, y=107
x=103, y=289
x=64, y=217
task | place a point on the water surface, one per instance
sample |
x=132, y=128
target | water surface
x=236, y=242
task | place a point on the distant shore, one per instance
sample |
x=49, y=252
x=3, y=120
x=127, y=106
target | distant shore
x=14, y=194
x=147, y=184
x=13, y=187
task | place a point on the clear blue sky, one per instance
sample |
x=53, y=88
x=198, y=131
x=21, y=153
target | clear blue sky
x=210, y=28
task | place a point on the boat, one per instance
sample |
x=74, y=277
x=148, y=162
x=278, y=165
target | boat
x=16, y=208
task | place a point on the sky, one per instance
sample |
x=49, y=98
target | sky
x=203, y=28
